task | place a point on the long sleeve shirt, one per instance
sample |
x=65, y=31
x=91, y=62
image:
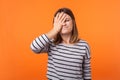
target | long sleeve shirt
x=65, y=62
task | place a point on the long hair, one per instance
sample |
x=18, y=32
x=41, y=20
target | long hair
x=74, y=36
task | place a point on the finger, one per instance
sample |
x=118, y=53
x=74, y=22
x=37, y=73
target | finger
x=61, y=14
x=57, y=15
x=55, y=18
x=63, y=18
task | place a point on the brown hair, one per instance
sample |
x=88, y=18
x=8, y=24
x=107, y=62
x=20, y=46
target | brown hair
x=74, y=36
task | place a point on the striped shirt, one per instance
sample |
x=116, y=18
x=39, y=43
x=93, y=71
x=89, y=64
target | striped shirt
x=65, y=62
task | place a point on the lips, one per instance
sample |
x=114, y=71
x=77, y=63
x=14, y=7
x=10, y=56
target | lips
x=65, y=26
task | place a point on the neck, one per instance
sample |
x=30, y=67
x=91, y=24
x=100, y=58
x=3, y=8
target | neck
x=66, y=38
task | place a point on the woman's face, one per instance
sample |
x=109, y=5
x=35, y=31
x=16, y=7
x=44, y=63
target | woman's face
x=67, y=26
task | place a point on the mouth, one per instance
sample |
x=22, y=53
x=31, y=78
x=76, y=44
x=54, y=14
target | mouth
x=65, y=27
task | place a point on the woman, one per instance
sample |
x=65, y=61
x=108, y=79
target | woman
x=68, y=56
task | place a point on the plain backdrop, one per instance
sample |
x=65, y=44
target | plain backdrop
x=21, y=21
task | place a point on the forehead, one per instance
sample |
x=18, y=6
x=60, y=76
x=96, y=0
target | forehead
x=67, y=16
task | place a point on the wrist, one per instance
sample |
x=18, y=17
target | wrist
x=51, y=34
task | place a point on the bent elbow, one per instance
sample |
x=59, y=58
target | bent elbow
x=34, y=49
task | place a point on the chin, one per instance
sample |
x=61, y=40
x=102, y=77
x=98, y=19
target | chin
x=64, y=32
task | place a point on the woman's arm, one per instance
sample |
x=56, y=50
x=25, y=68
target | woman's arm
x=87, y=65
x=40, y=44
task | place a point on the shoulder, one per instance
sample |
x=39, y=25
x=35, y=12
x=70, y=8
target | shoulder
x=86, y=46
x=83, y=43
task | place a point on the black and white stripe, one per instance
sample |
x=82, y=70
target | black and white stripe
x=65, y=62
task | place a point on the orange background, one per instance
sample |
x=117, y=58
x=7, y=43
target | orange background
x=21, y=21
